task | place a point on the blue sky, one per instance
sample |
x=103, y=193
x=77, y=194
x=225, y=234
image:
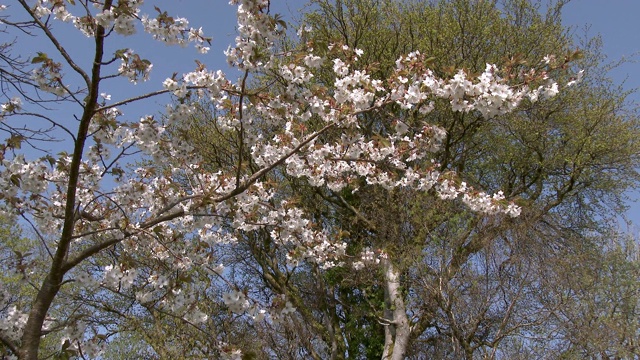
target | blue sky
x=616, y=21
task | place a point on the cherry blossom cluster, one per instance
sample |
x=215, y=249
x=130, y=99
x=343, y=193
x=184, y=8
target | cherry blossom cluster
x=115, y=277
x=485, y=203
x=256, y=31
x=122, y=17
x=205, y=84
x=490, y=95
x=48, y=76
x=12, y=324
x=20, y=179
x=238, y=303
x=74, y=338
x=133, y=67
x=12, y=106
x=354, y=91
x=368, y=257
x=174, y=31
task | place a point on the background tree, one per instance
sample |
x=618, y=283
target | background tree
x=467, y=273
x=473, y=286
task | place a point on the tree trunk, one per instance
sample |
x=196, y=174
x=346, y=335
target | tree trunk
x=51, y=284
x=397, y=332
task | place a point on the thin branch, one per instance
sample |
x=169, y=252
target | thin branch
x=57, y=44
x=241, y=132
x=143, y=96
x=54, y=123
x=94, y=232
x=35, y=229
x=357, y=213
x=130, y=100
x=122, y=153
x=8, y=344
x=69, y=264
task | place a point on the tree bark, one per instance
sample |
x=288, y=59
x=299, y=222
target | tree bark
x=398, y=330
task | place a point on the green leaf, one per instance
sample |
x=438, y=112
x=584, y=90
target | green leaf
x=15, y=141
x=42, y=57
x=50, y=159
x=66, y=345
x=15, y=179
x=120, y=53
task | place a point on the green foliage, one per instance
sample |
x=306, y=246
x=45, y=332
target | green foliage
x=18, y=271
x=567, y=161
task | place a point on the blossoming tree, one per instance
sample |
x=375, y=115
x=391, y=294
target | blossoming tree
x=83, y=204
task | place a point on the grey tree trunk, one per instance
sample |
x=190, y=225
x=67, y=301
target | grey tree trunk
x=398, y=330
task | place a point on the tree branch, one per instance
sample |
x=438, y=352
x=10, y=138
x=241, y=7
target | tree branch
x=59, y=46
